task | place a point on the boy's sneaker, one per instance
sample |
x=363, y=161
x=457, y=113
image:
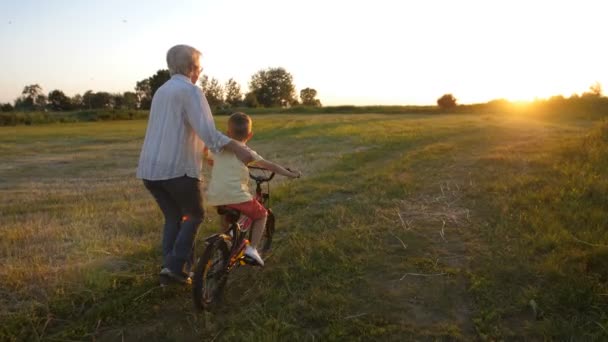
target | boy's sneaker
x=254, y=256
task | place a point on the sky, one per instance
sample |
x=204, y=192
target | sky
x=368, y=52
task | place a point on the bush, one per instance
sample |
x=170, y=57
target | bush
x=31, y=118
x=8, y=119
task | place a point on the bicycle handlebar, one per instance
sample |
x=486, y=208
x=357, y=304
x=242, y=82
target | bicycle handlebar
x=260, y=179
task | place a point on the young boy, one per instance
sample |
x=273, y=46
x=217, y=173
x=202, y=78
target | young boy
x=229, y=185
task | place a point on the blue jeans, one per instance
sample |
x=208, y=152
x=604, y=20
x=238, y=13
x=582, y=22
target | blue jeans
x=181, y=202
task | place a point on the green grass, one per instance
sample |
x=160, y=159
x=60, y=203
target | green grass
x=404, y=227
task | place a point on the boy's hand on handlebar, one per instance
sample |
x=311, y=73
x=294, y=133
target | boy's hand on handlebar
x=295, y=173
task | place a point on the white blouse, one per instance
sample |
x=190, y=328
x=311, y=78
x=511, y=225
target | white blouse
x=179, y=118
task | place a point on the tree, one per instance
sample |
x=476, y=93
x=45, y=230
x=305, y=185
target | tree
x=32, y=91
x=447, y=101
x=595, y=90
x=233, y=93
x=77, y=102
x=41, y=102
x=119, y=101
x=143, y=91
x=6, y=107
x=31, y=98
x=214, y=93
x=273, y=87
x=129, y=100
x=99, y=100
x=87, y=99
x=146, y=88
x=158, y=79
x=102, y=100
x=251, y=100
x=204, y=79
x=307, y=95
x=24, y=103
x=59, y=101
x=126, y=100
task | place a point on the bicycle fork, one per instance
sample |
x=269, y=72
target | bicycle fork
x=238, y=255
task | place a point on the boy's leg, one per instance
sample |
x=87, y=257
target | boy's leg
x=256, y=211
x=257, y=232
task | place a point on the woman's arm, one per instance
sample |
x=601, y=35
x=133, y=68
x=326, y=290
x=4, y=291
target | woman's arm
x=242, y=153
x=198, y=114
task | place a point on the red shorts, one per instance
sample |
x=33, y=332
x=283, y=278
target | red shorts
x=252, y=209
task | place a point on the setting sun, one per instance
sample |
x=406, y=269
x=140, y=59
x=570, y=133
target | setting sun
x=357, y=52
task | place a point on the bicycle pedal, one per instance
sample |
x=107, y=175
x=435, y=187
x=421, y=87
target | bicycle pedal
x=246, y=260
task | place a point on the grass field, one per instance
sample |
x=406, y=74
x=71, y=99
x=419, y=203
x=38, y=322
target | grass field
x=423, y=227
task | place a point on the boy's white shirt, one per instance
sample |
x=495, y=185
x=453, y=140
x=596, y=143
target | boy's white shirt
x=229, y=178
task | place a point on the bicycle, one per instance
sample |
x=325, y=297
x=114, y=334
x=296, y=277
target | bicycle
x=224, y=252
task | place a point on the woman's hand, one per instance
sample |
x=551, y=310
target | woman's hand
x=207, y=157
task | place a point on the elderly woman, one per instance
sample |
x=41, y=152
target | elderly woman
x=170, y=159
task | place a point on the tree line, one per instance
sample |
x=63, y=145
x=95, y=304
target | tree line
x=272, y=87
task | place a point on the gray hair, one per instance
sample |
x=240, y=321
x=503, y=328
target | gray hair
x=181, y=59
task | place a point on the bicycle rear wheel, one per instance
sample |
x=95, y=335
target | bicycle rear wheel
x=210, y=275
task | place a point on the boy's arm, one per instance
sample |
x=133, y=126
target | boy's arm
x=276, y=168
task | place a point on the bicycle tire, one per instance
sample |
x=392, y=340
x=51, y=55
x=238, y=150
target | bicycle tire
x=209, y=269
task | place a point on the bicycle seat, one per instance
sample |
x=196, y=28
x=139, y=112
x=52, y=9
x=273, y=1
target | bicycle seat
x=232, y=215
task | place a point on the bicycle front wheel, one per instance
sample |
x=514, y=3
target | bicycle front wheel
x=210, y=275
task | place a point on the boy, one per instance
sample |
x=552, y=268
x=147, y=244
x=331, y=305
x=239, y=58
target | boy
x=229, y=185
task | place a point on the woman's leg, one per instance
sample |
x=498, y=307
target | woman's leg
x=172, y=215
x=185, y=192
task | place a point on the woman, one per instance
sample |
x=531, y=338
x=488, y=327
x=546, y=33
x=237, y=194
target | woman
x=170, y=159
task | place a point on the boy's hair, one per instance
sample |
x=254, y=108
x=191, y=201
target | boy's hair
x=240, y=126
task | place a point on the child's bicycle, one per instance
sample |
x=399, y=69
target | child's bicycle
x=224, y=252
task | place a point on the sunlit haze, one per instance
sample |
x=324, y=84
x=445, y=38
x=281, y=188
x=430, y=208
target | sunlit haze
x=351, y=52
